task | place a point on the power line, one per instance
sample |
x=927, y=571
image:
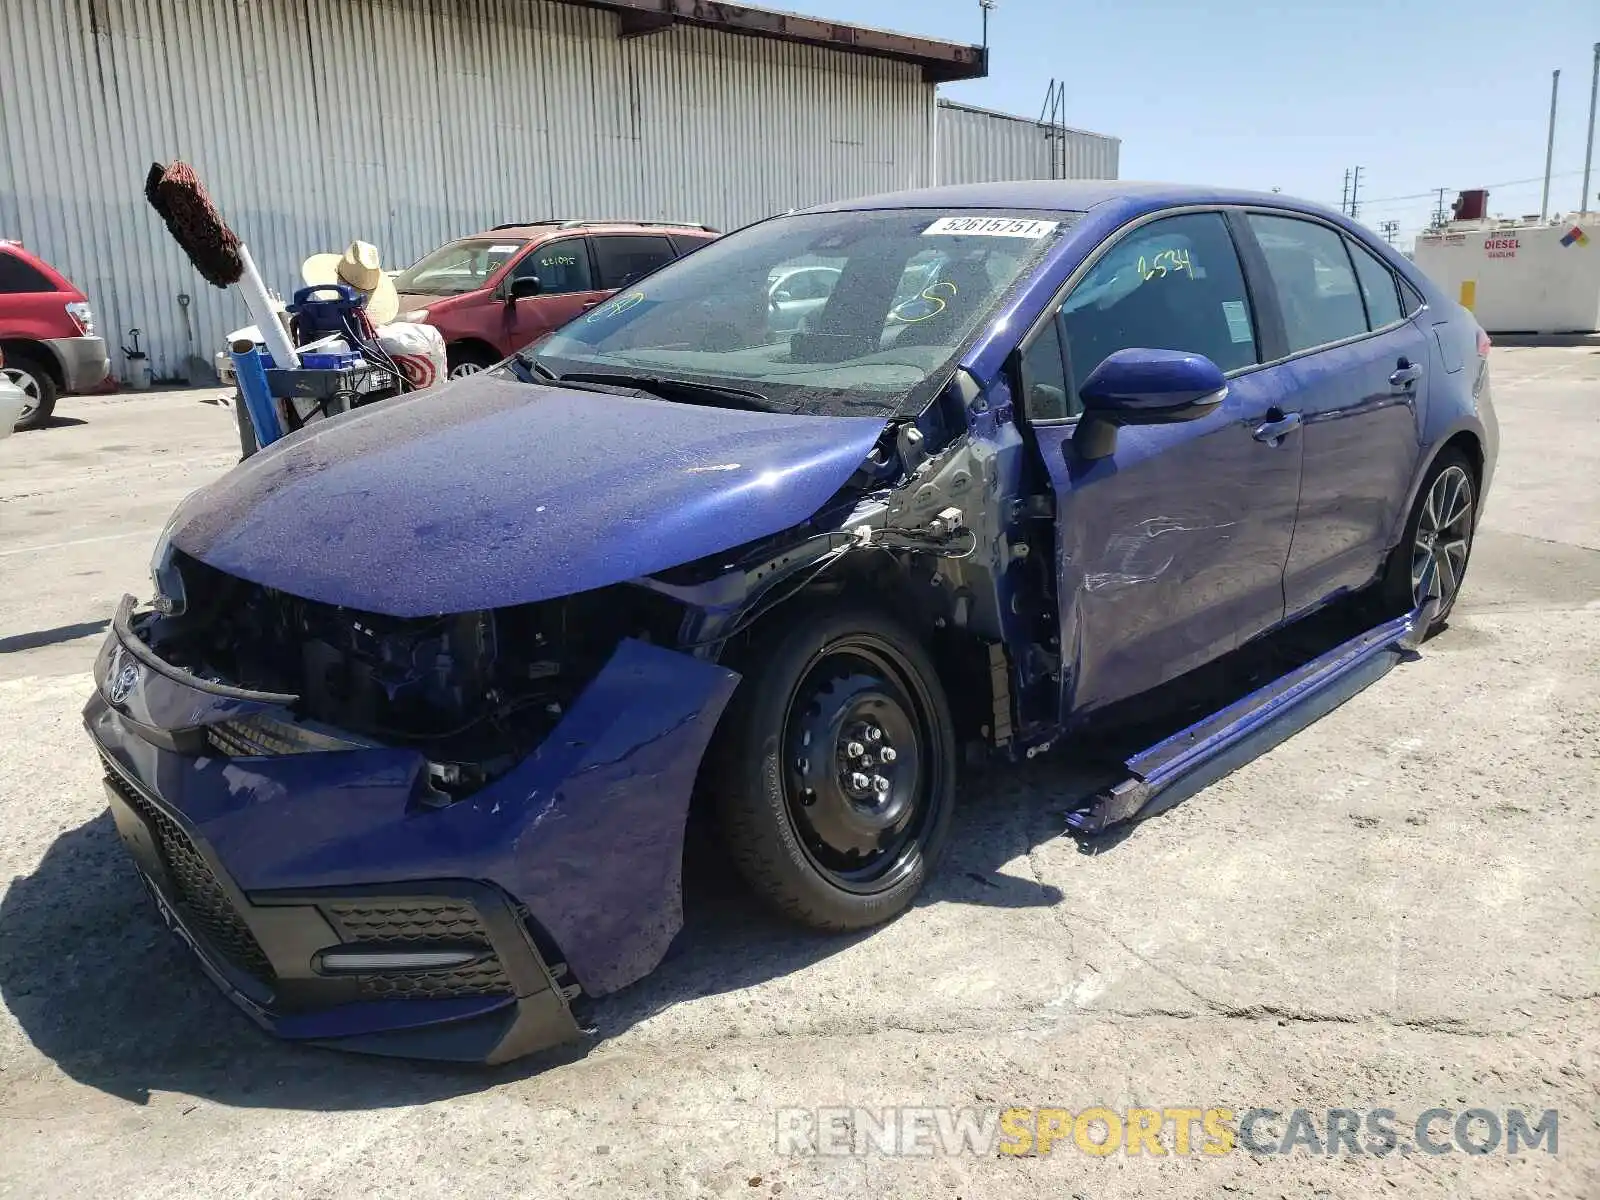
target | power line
x=1429, y=195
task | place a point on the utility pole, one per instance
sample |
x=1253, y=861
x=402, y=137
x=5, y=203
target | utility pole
x=1390, y=228
x=1344, y=197
x=1438, y=212
x=1550, y=144
x=1588, y=150
x=986, y=5
x=1355, y=187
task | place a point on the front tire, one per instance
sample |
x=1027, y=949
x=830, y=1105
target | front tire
x=834, y=771
x=1437, y=541
x=37, y=384
x=467, y=360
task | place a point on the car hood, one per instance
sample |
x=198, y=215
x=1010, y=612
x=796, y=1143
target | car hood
x=487, y=492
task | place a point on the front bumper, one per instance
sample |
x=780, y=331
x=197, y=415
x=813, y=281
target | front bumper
x=84, y=364
x=561, y=877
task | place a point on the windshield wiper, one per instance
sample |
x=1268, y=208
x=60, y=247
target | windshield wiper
x=531, y=370
x=691, y=391
x=531, y=362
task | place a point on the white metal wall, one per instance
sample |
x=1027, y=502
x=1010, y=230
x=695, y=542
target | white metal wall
x=978, y=146
x=406, y=123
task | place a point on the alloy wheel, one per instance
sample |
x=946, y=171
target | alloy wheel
x=1444, y=536
x=462, y=370
x=29, y=386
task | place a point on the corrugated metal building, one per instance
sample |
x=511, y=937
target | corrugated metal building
x=408, y=122
x=977, y=145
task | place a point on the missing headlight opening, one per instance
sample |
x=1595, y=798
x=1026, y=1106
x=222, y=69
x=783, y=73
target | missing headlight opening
x=475, y=692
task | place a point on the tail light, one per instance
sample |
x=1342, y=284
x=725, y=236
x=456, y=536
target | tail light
x=1483, y=344
x=80, y=312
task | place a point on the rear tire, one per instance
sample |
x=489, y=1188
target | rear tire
x=36, y=382
x=834, y=770
x=1438, y=536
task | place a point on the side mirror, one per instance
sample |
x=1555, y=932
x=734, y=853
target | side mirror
x=1139, y=386
x=523, y=287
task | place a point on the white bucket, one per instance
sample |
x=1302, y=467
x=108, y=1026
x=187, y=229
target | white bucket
x=137, y=376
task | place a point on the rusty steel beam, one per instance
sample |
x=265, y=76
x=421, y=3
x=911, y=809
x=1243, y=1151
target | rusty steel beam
x=940, y=61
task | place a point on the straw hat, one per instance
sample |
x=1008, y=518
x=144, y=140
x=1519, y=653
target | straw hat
x=361, y=268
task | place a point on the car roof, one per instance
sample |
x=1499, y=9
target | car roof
x=1071, y=195
x=544, y=229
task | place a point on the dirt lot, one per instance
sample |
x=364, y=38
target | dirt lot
x=1398, y=908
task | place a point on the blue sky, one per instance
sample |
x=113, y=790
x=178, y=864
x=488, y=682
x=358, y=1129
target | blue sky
x=1422, y=94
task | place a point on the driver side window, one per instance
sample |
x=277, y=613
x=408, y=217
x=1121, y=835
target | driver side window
x=1174, y=284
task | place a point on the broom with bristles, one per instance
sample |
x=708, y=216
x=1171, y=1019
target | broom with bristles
x=178, y=196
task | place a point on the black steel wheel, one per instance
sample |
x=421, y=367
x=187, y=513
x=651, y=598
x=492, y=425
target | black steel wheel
x=834, y=770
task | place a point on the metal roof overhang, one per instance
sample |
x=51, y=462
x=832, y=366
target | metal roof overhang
x=941, y=62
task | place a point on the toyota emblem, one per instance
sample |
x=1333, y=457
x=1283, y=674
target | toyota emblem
x=124, y=680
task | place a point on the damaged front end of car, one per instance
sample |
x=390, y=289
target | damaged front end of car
x=429, y=837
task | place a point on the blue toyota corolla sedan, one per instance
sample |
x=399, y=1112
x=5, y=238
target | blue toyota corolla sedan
x=405, y=741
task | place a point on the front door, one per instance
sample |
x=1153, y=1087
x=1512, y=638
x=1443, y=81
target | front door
x=1358, y=368
x=567, y=287
x=1171, y=551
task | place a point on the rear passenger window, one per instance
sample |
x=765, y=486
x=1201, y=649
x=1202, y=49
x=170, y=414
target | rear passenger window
x=18, y=277
x=1174, y=284
x=1316, y=287
x=1378, y=287
x=623, y=258
x=1410, y=299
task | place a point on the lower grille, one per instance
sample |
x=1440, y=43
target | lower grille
x=435, y=922
x=204, y=902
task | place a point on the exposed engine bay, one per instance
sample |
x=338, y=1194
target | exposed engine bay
x=474, y=691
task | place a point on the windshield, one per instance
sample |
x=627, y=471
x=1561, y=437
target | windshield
x=841, y=313
x=457, y=268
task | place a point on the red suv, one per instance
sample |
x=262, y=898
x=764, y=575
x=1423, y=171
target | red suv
x=494, y=293
x=47, y=340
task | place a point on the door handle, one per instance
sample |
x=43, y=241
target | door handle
x=1274, y=431
x=1405, y=375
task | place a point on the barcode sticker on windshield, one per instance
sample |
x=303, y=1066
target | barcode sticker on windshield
x=1017, y=227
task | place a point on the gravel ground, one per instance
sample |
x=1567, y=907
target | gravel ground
x=1397, y=908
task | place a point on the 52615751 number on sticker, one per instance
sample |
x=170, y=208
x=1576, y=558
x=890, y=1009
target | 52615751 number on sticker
x=1016, y=227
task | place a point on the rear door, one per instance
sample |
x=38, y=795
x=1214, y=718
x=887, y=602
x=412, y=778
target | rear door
x=1172, y=551
x=567, y=287
x=1359, y=368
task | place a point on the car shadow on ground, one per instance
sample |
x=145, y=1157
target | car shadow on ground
x=55, y=422
x=36, y=638
x=103, y=990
